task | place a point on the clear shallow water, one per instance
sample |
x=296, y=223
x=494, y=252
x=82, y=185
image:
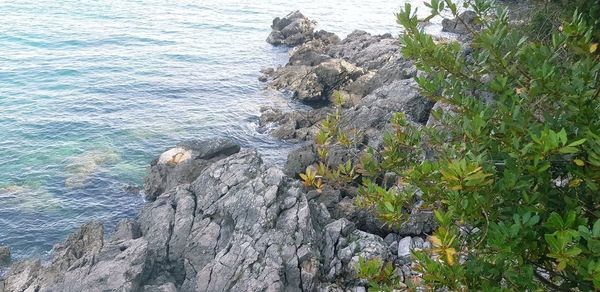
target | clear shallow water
x=91, y=91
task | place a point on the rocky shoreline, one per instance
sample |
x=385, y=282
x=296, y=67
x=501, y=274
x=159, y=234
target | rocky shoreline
x=218, y=219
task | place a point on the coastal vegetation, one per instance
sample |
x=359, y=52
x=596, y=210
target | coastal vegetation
x=511, y=165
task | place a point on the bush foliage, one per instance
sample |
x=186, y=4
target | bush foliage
x=512, y=165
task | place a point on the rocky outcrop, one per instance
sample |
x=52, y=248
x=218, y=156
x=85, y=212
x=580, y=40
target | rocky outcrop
x=183, y=163
x=292, y=30
x=313, y=84
x=238, y=226
x=356, y=66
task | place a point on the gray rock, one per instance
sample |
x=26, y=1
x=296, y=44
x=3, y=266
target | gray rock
x=405, y=246
x=5, y=255
x=300, y=158
x=314, y=52
x=390, y=238
x=292, y=30
x=312, y=84
x=79, y=246
x=344, y=245
x=418, y=243
x=339, y=155
x=465, y=22
x=399, y=96
x=22, y=275
x=183, y=163
x=84, y=263
x=126, y=229
x=285, y=125
x=168, y=287
x=366, y=50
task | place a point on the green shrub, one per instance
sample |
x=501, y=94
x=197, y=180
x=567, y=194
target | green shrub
x=512, y=168
x=541, y=17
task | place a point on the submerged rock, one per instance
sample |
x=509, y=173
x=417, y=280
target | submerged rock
x=5, y=255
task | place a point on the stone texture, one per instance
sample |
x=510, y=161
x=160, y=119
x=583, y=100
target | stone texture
x=291, y=30
x=465, y=22
x=183, y=163
x=5, y=255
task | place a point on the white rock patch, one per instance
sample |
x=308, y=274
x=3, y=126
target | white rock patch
x=175, y=156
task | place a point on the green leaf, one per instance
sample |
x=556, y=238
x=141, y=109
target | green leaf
x=389, y=206
x=596, y=229
x=568, y=150
x=577, y=143
x=573, y=252
x=554, y=222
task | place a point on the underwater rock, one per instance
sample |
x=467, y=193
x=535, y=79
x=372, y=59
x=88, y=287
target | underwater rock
x=86, y=164
x=5, y=255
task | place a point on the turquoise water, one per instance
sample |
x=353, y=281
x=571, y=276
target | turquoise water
x=91, y=91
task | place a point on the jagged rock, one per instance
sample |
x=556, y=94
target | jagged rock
x=88, y=239
x=344, y=245
x=84, y=263
x=286, y=125
x=396, y=68
x=126, y=229
x=314, y=52
x=168, y=287
x=339, y=155
x=238, y=227
x=292, y=30
x=265, y=73
x=312, y=84
x=399, y=96
x=366, y=50
x=21, y=275
x=5, y=255
x=183, y=163
x=461, y=25
x=299, y=158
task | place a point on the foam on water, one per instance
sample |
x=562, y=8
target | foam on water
x=91, y=91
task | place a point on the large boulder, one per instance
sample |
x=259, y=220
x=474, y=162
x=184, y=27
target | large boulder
x=313, y=84
x=292, y=30
x=365, y=50
x=183, y=163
